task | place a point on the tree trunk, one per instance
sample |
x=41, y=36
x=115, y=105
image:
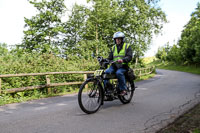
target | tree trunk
x=136, y=61
x=97, y=48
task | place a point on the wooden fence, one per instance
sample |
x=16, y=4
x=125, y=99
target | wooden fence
x=138, y=72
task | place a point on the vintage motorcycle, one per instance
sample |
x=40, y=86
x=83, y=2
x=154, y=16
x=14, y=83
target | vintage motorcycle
x=93, y=92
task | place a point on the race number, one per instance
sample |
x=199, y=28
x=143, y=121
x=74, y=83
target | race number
x=98, y=72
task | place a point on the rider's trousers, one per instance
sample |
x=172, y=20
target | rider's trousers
x=120, y=76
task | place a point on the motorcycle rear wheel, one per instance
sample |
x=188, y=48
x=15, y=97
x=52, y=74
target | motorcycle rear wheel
x=128, y=97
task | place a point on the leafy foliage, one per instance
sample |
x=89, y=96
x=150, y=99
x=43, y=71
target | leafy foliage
x=187, y=50
x=161, y=54
x=3, y=49
x=43, y=32
x=17, y=62
x=139, y=20
x=87, y=33
x=189, y=42
x=91, y=26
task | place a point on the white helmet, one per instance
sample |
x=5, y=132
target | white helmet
x=119, y=35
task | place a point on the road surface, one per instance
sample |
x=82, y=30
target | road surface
x=157, y=102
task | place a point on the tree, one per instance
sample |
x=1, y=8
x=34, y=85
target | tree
x=174, y=54
x=190, y=43
x=187, y=50
x=74, y=30
x=139, y=20
x=161, y=54
x=3, y=49
x=92, y=26
x=44, y=31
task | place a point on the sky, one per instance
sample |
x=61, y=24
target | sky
x=12, y=13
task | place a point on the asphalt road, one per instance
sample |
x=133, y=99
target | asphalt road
x=156, y=103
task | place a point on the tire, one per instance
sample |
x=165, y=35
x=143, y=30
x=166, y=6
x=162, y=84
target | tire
x=90, y=96
x=128, y=97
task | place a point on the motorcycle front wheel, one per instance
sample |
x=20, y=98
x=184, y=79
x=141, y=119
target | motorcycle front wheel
x=90, y=96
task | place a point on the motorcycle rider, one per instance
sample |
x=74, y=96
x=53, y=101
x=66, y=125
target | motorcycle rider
x=121, y=52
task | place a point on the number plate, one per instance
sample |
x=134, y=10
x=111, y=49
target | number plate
x=98, y=72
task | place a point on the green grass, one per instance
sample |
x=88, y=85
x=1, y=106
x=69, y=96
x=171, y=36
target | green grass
x=8, y=99
x=195, y=69
x=187, y=123
x=148, y=60
x=146, y=77
x=191, y=69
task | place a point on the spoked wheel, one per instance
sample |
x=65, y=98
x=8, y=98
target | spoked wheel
x=90, y=96
x=130, y=91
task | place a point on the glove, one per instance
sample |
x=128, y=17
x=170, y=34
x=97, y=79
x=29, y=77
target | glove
x=120, y=61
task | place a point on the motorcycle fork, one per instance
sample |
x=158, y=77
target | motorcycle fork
x=100, y=82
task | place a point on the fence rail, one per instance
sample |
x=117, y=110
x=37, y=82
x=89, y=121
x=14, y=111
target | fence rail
x=138, y=72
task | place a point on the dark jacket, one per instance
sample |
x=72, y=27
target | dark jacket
x=126, y=59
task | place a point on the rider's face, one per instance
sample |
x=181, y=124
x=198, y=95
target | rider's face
x=118, y=41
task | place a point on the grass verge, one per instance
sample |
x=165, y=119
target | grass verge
x=195, y=69
x=187, y=123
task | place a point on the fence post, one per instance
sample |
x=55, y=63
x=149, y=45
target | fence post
x=85, y=77
x=0, y=85
x=48, y=83
x=140, y=73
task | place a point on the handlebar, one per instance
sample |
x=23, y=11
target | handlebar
x=102, y=60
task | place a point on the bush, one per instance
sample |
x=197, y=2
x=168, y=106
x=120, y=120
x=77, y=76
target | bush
x=15, y=63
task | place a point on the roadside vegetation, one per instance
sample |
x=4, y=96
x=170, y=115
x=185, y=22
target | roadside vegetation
x=56, y=40
x=187, y=50
x=187, y=123
x=15, y=62
x=192, y=68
